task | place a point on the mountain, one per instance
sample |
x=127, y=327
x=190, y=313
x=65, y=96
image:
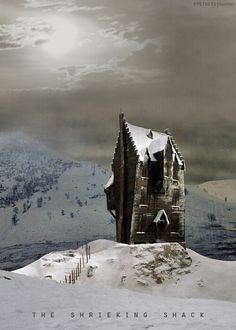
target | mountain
x=47, y=202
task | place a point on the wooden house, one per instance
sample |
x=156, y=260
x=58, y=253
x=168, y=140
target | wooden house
x=145, y=193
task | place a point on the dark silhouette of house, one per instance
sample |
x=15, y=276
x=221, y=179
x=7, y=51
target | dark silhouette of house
x=145, y=193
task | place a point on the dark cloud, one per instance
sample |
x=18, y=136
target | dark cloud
x=166, y=64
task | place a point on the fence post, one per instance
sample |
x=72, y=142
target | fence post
x=83, y=259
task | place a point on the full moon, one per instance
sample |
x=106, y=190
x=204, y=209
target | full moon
x=63, y=37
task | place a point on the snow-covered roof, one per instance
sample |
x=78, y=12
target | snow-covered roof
x=146, y=139
x=142, y=142
x=109, y=182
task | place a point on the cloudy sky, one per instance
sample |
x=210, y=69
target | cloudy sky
x=68, y=66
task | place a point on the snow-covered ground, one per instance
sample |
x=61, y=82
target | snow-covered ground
x=72, y=306
x=161, y=268
x=151, y=286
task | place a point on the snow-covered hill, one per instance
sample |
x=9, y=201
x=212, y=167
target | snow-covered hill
x=65, y=211
x=101, y=297
x=162, y=268
x=223, y=189
x=47, y=202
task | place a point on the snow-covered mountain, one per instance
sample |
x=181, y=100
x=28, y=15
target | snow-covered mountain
x=146, y=286
x=47, y=202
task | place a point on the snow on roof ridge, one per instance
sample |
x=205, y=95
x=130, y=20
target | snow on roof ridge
x=143, y=141
x=157, y=142
x=176, y=151
x=144, y=128
x=131, y=137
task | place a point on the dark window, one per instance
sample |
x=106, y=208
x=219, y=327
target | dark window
x=175, y=170
x=169, y=161
x=156, y=172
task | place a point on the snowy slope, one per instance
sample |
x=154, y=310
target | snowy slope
x=67, y=211
x=47, y=202
x=101, y=298
x=223, y=189
x=166, y=269
x=21, y=296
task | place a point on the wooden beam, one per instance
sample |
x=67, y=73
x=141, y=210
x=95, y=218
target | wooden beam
x=112, y=214
x=120, y=235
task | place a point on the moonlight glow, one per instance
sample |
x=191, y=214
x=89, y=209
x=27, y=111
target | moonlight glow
x=63, y=38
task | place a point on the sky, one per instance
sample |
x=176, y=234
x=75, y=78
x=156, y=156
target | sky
x=67, y=67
